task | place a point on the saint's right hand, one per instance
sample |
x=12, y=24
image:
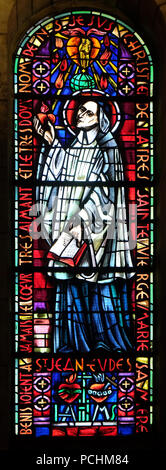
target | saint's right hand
x=38, y=126
x=48, y=135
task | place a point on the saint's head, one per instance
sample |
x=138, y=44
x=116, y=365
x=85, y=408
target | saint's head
x=87, y=115
x=91, y=114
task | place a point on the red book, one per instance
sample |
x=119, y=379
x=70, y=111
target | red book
x=66, y=251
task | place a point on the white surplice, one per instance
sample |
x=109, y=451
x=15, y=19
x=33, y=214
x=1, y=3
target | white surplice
x=92, y=157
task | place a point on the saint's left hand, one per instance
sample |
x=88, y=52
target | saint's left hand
x=76, y=232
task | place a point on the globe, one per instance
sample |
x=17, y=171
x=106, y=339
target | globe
x=82, y=81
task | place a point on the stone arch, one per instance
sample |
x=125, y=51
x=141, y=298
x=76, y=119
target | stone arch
x=19, y=16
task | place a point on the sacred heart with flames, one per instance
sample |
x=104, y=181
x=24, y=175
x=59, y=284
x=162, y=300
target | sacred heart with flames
x=70, y=390
x=100, y=390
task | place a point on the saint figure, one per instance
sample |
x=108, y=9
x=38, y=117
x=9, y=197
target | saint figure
x=85, y=196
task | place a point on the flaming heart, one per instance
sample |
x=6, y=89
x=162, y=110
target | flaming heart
x=100, y=390
x=44, y=116
x=70, y=390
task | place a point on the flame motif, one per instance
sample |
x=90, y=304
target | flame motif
x=63, y=66
x=44, y=108
x=58, y=43
x=106, y=41
x=71, y=379
x=103, y=82
x=105, y=57
x=59, y=81
x=55, y=58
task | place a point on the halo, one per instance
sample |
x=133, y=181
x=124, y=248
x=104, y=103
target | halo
x=70, y=105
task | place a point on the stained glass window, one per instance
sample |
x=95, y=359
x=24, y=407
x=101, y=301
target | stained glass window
x=84, y=216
